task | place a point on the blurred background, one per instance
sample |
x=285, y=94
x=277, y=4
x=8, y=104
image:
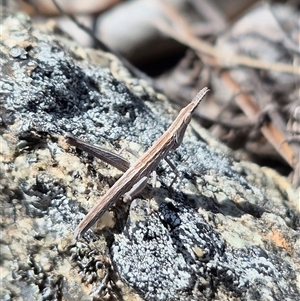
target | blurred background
x=247, y=52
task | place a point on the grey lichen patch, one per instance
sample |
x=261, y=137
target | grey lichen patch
x=96, y=272
x=156, y=255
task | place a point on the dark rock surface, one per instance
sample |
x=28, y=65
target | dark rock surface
x=228, y=230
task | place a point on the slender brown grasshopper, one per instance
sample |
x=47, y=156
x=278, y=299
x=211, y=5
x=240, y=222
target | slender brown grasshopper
x=136, y=176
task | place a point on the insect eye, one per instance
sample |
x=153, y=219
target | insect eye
x=187, y=119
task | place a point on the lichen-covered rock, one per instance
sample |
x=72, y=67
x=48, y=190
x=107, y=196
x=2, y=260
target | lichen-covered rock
x=226, y=231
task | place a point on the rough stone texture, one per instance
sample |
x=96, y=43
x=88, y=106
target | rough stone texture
x=228, y=230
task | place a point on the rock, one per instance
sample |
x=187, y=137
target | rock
x=228, y=230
